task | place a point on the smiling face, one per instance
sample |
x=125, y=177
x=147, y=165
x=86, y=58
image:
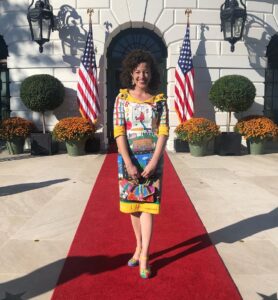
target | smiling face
x=141, y=76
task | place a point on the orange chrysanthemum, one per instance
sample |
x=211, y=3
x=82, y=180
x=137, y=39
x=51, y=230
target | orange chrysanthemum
x=197, y=130
x=73, y=128
x=256, y=128
x=15, y=127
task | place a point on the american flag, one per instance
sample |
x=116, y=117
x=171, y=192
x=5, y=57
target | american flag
x=184, y=85
x=87, y=91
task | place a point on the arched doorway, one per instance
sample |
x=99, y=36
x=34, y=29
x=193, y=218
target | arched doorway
x=124, y=42
x=271, y=80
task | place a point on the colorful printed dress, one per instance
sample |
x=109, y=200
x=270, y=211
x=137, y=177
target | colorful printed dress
x=141, y=123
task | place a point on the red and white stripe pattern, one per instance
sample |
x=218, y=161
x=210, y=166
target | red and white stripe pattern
x=87, y=90
x=184, y=81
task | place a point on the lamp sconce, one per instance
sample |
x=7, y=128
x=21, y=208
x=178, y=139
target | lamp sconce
x=41, y=21
x=233, y=19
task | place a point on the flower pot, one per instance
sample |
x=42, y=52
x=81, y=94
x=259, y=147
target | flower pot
x=76, y=148
x=256, y=147
x=211, y=146
x=43, y=144
x=199, y=149
x=181, y=146
x=92, y=145
x=16, y=145
x=228, y=143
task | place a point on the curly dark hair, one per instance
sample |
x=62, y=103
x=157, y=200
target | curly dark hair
x=130, y=63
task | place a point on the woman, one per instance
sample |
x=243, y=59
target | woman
x=141, y=130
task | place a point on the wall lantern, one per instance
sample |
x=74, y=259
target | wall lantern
x=41, y=21
x=233, y=19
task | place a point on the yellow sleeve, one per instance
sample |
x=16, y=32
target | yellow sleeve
x=119, y=130
x=119, y=118
x=163, y=130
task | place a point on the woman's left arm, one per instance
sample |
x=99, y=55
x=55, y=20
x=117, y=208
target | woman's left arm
x=159, y=149
x=163, y=132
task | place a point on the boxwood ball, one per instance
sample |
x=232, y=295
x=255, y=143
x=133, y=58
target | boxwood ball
x=42, y=92
x=232, y=93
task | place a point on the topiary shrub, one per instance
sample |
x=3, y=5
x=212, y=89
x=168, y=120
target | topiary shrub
x=232, y=93
x=41, y=93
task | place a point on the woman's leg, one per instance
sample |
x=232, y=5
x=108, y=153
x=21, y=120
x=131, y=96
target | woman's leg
x=135, y=220
x=146, y=221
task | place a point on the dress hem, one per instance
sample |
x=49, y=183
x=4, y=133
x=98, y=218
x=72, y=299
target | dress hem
x=139, y=207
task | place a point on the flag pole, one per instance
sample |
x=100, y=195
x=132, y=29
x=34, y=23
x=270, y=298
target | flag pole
x=187, y=12
x=90, y=11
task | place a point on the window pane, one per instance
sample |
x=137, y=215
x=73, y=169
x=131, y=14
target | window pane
x=228, y=32
x=268, y=89
x=237, y=27
x=275, y=103
x=275, y=90
x=268, y=75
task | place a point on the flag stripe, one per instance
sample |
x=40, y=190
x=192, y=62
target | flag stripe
x=83, y=113
x=178, y=104
x=85, y=105
x=90, y=95
x=188, y=93
x=180, y=85
x=86, y=87
x=90, y=84
x=178, y=112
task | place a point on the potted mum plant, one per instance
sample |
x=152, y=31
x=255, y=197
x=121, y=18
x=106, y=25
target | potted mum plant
x=231, y=93
x=42, y=93
x=14, y=131
x=256, y=130
x=197, y=132
x=74, y=131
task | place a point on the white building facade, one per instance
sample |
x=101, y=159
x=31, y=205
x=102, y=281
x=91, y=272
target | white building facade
x=157, y=25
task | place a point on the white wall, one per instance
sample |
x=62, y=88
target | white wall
x=211, y=55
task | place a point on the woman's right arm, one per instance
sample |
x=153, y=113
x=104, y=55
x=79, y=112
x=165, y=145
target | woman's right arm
x=121, y=140
x=123, y=150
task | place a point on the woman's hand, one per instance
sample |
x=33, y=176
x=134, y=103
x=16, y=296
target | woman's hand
x=132, y=171
x=149, y=169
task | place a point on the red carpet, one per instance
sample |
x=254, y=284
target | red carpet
x=185, y=264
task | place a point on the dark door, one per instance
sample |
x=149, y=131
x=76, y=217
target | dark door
x=124, y=42
x=271, y=80
x=4, y=81
x=4, y=93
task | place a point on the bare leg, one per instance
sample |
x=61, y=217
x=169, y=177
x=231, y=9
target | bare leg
x=146, y=221
x=135, y=220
